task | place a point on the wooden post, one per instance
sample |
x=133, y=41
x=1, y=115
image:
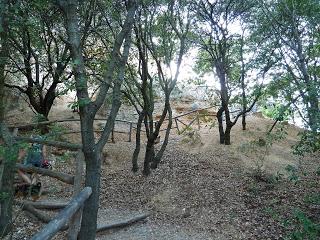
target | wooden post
x=64, y=216
x=75, y=221
x=198, y=119
x=130, y=132
x=112, y=136
x=175, y=119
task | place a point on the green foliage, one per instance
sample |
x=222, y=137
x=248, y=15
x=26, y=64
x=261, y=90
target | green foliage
x=309, y=143
x=65, y=157
x=191, y=135
x=272, y=212
x=4, y=196
x=278, y=111
x=78, y=104
x=293, y=173
x=39, y=118
x=9, y=153
x=312, y=199
x=305, y=228
x=56, y=133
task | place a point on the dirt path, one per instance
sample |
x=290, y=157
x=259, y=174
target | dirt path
x=145, y=230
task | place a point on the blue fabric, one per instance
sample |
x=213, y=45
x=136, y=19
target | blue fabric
x=34, y=156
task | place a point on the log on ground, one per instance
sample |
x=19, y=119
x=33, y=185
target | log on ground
x=124, y=223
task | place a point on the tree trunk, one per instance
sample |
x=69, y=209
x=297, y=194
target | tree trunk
x=227, y=135
x=244, y=122
x=138, y=143
x=243, y=85
x=88, y=109
x=90, y=210
x=220, y=123
x=148, y=158
x=159, y=155
x=313, y=111
x=7, y=167
x=92, y=158
x=7, y=190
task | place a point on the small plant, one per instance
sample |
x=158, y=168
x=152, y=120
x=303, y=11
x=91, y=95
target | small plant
x=4, y=196
x=191, y=136
x=309, y=143
x=260, y=148
x=39, y=118
x=272, y=212
x=56, y=133
x=306, y=228
x=65, y=156
x=313, y=199
x=293, y=173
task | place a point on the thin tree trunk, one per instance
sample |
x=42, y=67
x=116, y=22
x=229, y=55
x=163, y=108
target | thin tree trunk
x=149, y=155
x=220, y=123
x=227, y=133
x=243, y=86
x=7, y=167
x=159, y=155
x=138, y=143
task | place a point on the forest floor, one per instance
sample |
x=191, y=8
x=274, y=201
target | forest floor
x=201, y=189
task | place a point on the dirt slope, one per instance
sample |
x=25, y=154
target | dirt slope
x=201, y=190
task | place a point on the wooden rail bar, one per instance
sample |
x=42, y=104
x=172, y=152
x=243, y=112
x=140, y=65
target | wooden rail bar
x=60, y=176
x=64, y=216
x=65, y=145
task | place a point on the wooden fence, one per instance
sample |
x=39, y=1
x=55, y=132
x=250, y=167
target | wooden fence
x=178, y=121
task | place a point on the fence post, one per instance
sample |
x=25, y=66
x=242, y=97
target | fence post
x=75, y=221
x=130, y=131
x=112, y=135
x=175, y=119
x=198, y=119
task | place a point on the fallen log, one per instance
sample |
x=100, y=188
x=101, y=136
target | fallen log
x=64, y=177
x=123, y=223
x=38, y=214
x=43, y=204
x=64, y=216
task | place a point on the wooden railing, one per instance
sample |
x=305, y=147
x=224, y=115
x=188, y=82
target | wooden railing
x=131, y=125
x=59, y=222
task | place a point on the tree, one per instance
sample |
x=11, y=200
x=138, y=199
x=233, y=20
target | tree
x=161, y=40
x=217, y=49
x=293, y=28
x=39, y=54
x=9, y=148
x=88, y=108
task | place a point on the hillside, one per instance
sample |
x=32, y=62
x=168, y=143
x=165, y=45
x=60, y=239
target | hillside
x=201, y=189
